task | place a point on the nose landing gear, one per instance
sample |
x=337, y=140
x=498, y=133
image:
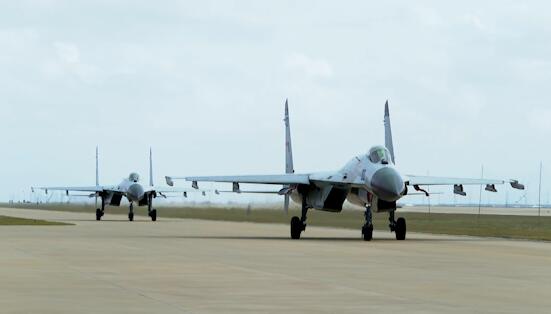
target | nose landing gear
x=131, y=212
x=396, y=226
x=367, y=229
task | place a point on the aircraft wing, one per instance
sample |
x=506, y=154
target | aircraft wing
x=320, y=178
x=251, y=192
x=282, y=179
x=426, y=180
x=165, y=189
x=99, y=188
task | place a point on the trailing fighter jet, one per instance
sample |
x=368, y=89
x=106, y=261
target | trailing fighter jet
x=370, y=180
x=131, y=188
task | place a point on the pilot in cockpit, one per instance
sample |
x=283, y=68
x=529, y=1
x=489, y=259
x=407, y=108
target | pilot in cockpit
x=379, y=154
x=134, y=177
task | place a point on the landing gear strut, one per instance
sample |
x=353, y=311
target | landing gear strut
x=150, y=210
x=131, y=212
x=398, y=226
x=299, y=224
x=367, y=229
x=100, y=211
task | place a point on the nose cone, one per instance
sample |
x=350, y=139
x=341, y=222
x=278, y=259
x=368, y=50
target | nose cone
x=387, y=184
x=135, y=192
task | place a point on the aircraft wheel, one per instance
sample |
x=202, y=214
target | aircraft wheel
x=98, y=214
x=153, y=215
x=131, y=216
x=400, y=229
x=367, y=232
x=296, y=227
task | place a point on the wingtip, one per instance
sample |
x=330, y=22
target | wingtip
x=387, y=112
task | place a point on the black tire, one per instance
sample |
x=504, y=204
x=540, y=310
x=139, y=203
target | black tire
x=131, y=216
x=296, y=227
x=367, y=232
x=153, y=215
x=400, y=229
x=98, y=214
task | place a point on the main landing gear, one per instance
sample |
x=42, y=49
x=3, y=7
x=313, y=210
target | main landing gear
x=151, y=211
x=100, y=211
x=99, y=214
x=398, y=226
x=153, y=214
x=299, y=224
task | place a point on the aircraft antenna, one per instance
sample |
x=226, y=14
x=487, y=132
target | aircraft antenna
x=480, y=192
x=97, y=166
x=539, y=192
x=150, y=167
x=97, y=174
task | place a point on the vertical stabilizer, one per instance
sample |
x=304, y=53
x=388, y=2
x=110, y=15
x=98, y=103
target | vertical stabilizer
x=289, y=167
x=388, y=133
x=150, y=167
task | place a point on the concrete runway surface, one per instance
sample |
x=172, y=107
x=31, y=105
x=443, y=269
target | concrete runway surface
x=193, y=266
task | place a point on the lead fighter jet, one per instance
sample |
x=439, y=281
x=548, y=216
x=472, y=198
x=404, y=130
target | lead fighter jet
x=131, y=188
x=370, y=180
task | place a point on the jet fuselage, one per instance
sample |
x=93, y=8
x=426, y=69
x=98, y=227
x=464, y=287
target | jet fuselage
x=374, y=175
x=132, y=189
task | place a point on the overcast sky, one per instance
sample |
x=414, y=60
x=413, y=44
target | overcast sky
x=204, y=84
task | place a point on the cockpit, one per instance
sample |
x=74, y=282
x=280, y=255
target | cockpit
x=379, y=155
x=134, y=177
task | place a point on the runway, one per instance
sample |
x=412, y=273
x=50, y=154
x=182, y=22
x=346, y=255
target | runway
x=193, y=266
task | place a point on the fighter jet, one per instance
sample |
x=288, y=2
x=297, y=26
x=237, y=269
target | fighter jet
x=369, y=180
x=130, y=187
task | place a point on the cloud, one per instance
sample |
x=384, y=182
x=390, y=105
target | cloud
x=539, y=118
x=195, y=78
x=67, y=52
x=310, y=67
x=475, y=21
x=69, y=61
x=532, y=69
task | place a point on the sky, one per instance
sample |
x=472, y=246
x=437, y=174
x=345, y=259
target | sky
x=204, y=84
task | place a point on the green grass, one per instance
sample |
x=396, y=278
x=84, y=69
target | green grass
x=14, y=221
x=504, y=226
x=519, y=227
